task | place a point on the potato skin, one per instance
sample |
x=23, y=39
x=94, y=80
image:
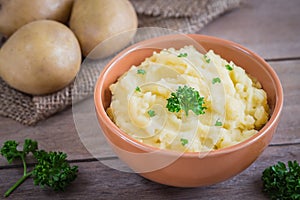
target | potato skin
x=93, y=21
x=40, y=58
x=16, y=13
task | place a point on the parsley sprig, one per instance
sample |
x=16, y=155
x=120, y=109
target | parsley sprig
x=281, y=181
x=186, y=98
x=52, y=168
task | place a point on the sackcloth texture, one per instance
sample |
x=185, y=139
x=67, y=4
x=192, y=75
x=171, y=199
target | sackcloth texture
x=184, y=16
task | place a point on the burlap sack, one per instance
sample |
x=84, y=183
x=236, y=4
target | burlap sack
x=186, y=16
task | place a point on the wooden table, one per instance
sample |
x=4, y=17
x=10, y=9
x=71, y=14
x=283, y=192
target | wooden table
x=272, y=29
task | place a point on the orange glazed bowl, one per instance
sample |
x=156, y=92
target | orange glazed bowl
x=188, y=169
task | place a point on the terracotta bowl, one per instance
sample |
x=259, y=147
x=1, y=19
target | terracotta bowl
x=188, y=169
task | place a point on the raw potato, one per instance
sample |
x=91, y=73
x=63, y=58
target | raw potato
x=16, y=13
x=41, y=57
x=93, y=21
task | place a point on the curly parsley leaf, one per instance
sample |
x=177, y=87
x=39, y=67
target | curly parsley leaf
x=218, y=123
x=9, y=151
x=184, y=141
x=151, y=113
x=216, y=80
x=207, y=59
x=281, y=181
x=229, y=67
x=53, y=170
x=30, y=146
x=186, y=98
x=141, y=71
x=138, y=89
x=173, y=104
x=182, y=55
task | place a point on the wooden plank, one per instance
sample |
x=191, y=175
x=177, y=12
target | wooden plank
x=270, y=27
x=58, y=132
x=96, y=181
x=288, y=130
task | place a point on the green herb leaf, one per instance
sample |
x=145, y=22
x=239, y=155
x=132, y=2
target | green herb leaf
x=30, y=146
x=218, y=123
x=281, y=182
x=186, y=98
x=10, y=152
x=207, y=59
x=141, y=71
x=184, y=141
x=182, y=55
x=173, y=104
x=151, y=113
x=216, y=80
x=52, y=168
x=229, y=67
x=137, y=89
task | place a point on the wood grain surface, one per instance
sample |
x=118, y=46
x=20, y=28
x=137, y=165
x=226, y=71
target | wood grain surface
x=272, y=29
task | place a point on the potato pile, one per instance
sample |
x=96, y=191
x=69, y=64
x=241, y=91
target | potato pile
x=47, y=38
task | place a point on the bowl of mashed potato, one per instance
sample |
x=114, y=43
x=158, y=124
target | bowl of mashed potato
x=188, y=110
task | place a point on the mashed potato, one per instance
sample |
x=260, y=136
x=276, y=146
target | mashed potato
x=236, y=105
